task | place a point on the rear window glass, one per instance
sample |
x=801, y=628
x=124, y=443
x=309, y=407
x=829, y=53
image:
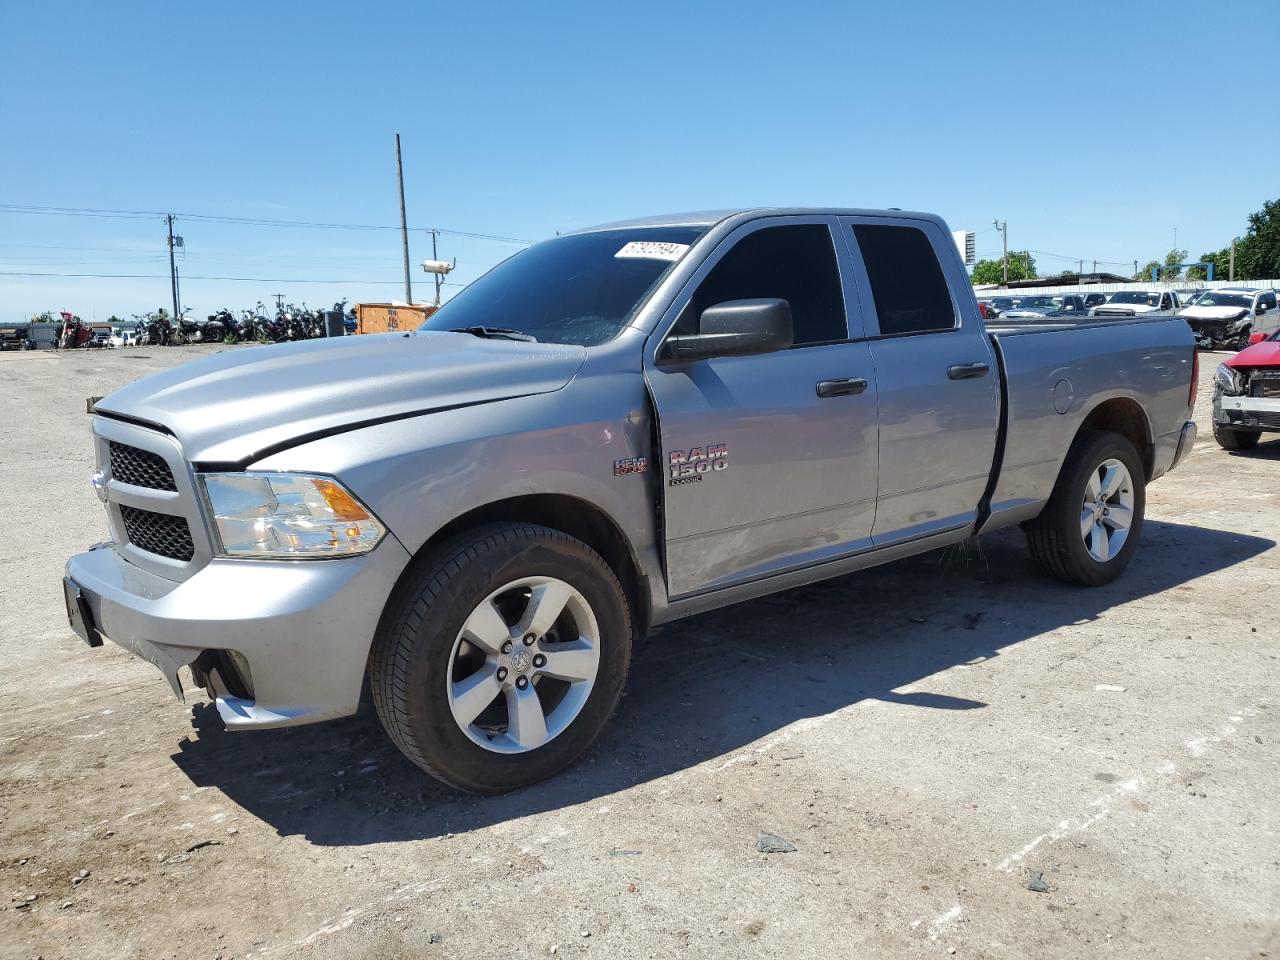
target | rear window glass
x=907, y=284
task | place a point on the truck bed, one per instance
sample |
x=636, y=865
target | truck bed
x=1057, y=372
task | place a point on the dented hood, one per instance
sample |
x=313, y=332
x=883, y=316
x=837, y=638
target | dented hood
x=239, y=405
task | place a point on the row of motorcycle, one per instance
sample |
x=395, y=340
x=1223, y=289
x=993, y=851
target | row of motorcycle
x=290, y=322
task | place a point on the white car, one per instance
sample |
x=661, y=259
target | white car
x=1224, y=318
x=1135, y=303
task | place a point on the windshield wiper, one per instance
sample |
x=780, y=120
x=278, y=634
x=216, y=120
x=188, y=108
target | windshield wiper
x=496, y=333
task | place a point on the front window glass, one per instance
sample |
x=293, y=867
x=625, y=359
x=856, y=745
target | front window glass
x=795, y=263
x=581, y=289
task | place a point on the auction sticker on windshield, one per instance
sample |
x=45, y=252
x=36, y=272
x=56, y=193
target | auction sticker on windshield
x=652, y=250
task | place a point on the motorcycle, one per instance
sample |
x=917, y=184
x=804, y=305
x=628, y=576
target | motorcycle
x=158, y=329
x=218, y=327
x=186, y=330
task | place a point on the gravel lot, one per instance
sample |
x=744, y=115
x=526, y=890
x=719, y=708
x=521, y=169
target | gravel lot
x=937, y=738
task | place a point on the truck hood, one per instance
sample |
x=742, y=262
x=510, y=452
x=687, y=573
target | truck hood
x=1264, y=354
x=238, y=406
x=1212, y=313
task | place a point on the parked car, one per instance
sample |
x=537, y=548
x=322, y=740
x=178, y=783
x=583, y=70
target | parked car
x=1135, y=303
x=1223, y=319
x=16, y=336
x=1046, y=305
x=609, y=430
x=1188, y=296
x=1094, y=300
x=1246, y=395
x=997, y=305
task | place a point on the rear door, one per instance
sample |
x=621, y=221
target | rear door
x=769, y=462
x=936, y=375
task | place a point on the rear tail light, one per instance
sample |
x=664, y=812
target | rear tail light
x=1195, y=378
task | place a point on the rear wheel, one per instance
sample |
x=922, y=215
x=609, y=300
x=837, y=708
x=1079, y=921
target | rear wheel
x=1090, y=527
x=1231, y=439
x=501, y=657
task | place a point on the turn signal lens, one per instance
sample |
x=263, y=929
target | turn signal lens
x=288, y=515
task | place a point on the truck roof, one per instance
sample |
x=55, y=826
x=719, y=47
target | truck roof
x=708, y=218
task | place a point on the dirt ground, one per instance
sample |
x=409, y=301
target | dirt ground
x=937, y=738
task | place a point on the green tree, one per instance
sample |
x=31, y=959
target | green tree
x=1173, y=261
x=1022, y=266
x=1145, y=272
x=45, y=317
x=1258, y=251
x=1221, y=261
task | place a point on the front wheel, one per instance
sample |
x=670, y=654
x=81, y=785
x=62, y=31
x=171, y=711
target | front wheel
x=1231, y=439
x=501, y=656
x=1090, y=527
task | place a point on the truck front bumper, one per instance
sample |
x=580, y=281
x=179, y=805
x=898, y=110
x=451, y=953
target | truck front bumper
x=300, y=629
x=1246, y=413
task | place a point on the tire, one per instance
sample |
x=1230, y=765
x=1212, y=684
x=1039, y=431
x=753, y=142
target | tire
x=1057, y=538
x=416, y=666
x=1230, y=439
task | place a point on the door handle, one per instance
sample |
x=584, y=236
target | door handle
x=841, y=388
x=967, y=371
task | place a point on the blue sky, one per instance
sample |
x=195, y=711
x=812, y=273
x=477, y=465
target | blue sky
x=1094, y=129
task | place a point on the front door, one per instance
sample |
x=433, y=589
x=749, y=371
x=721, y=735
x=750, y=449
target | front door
x=768, y=462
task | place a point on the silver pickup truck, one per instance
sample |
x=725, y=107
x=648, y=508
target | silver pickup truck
x=610, y=430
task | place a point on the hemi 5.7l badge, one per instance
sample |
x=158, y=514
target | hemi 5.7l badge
x=622, y=468
x=689, y=466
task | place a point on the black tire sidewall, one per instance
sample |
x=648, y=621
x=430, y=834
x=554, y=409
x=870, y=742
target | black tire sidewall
x=450, y=754
x=1091, y=454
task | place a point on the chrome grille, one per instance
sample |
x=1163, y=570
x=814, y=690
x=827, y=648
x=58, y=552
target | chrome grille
x=159, y=533
x=141, y=468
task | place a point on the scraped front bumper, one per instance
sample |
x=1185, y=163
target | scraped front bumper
x=302, y=629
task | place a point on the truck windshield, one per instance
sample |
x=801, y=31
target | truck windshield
x=1136, y=296
x=580, y=289
x=1224, y=300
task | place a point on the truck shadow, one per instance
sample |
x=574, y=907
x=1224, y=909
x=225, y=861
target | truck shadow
x=705, y=687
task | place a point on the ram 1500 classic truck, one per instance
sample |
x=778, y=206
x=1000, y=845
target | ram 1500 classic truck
x=612, y=429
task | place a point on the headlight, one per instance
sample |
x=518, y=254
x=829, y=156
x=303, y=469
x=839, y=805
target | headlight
x=1227, y=380
x=291, y=515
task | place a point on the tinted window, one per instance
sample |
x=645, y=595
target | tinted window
x=1269, y=301
x=578, y=289
x=793, y=263
x=907, y=284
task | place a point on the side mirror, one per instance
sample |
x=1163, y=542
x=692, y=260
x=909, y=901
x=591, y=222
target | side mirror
x=1260, y=309
x=735, y=328
x=1256, y=337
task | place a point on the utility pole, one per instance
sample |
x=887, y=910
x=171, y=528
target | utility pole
x=435, y=233
x=404, y=225
x=1080, y=272
x=1135, y=269
x=1003, y=227
x=1095, y=267
x=1231, y=273
x=173, y=270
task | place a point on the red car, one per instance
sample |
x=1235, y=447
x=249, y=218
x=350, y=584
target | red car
x=1246, y=395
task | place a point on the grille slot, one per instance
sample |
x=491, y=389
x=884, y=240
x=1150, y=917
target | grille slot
x=159, y=533
x=141, y=468
x=1268, y=420
x=1264, y=385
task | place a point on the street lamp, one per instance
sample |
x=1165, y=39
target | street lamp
x=441, y=269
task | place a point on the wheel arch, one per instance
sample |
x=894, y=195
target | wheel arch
x=1123, y=415
x=568, y=514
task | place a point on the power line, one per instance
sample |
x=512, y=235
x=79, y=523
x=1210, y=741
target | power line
x=160, y=276
x=247, y=221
